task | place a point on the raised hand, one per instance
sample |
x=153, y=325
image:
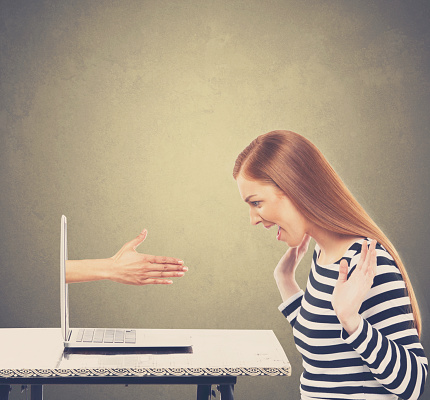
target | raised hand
x=349, y=294
x=285, y=270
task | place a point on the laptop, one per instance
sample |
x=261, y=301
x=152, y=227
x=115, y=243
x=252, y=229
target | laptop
x=110, y=338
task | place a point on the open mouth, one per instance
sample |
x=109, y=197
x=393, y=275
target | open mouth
x=278, y=236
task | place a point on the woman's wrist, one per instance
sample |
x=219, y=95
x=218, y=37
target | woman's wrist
x=351, y=323
x=287, y=286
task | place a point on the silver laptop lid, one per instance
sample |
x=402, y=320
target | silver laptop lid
x=64, y=291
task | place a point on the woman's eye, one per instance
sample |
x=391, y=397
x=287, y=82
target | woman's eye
x=255, y=203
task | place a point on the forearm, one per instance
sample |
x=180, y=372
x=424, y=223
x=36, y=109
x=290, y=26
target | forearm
x=400, y=368
x=287, y=286
x=350, y=323
x=87, y=270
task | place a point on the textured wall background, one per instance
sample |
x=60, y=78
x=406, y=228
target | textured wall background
x=130, y=114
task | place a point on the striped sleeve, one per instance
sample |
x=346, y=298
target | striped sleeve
x=386, y=339
x=290, y=307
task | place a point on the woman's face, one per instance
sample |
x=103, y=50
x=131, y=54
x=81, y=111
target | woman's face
x=271, y=207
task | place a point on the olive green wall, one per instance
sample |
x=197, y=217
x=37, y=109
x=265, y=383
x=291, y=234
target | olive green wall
x=129, y=114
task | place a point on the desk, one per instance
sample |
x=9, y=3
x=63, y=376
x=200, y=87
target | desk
x=36, y=357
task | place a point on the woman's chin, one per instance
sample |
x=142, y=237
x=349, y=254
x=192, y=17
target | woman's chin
x=292, y=242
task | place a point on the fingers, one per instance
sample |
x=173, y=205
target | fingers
x=157, y=277
x=156, y=282
x=164, y=274
x=149, y=274
x=372, y=246
x=164, y=267
x=138, y=240
x=371, y=261
x=368, y=262
x=343, y=271
x=303, y=247
x=374, y=256
x=165, y=260
x=368, y=255
x=362, y=255
x=149, y=270
x=152, y=259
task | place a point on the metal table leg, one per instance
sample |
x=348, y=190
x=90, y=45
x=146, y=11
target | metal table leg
x=36, y=392
x=226, y=391
x=4, y=392
x=203, y=392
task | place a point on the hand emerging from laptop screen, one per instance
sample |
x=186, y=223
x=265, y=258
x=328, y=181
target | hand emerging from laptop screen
x=127, y=266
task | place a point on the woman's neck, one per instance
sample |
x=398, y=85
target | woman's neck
x=333, y=245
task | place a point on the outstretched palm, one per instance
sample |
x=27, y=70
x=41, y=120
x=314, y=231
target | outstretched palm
x=349, y=294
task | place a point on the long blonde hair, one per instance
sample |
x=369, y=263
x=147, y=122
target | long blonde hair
x=292, y=163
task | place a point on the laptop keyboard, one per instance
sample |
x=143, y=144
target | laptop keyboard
x=106, y=336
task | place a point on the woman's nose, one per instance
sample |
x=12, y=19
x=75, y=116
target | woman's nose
x=254, y=217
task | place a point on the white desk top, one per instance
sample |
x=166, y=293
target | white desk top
x=39, y=353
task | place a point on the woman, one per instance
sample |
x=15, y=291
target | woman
x=127, y=266
x=357, y=325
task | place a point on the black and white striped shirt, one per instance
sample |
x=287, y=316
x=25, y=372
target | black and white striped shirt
x=383, y=359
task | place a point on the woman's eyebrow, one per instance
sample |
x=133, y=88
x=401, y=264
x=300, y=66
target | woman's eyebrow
x=247, y=199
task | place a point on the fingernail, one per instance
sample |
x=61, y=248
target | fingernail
x=185, y=269
x=180, y=262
